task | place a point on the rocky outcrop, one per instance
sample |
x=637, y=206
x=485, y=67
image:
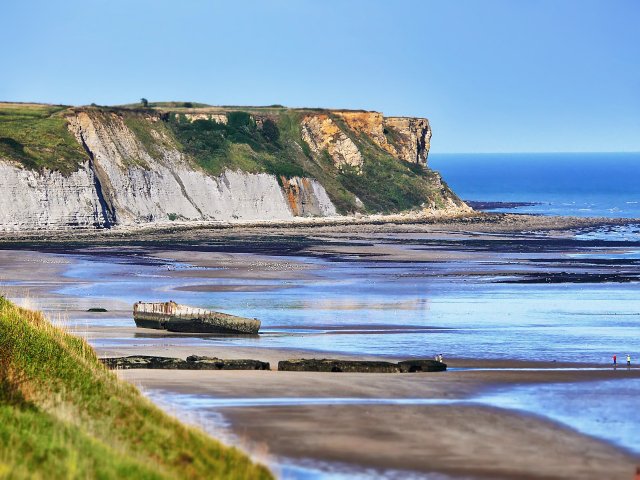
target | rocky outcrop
x=321, y=133
x=192, y=362
x=405, y=138
x=213, y=363
x=412, y=137
x=411, y=366
x=307, y=198
x=214, y=117
x=360, y=366
x=370, y=124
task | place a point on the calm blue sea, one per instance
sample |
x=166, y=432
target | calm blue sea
x=580, y=184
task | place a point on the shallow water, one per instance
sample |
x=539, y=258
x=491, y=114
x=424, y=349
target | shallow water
x=602, y=409
x=577, y=405
x=394, y=309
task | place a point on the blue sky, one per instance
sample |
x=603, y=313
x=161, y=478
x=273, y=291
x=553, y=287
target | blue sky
x=491, y=75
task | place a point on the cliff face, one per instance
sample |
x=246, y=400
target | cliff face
x=140, y=187
x=155, y=166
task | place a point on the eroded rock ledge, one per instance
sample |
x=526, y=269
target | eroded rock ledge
x=192, y=362
x=360, y=366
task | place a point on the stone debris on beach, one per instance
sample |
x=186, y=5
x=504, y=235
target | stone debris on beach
x=360, y=366
x=192, y=362
x=195, y=362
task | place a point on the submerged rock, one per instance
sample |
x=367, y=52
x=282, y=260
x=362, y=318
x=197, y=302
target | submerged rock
x=359, y=366
x=192, y=362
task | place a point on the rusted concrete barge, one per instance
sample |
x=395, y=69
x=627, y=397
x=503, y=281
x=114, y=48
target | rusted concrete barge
x=181, y=318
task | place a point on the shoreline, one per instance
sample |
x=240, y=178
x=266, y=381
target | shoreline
x=472, y=222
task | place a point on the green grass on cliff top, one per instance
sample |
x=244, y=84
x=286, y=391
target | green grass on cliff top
x=36, y=136
x=63, y=415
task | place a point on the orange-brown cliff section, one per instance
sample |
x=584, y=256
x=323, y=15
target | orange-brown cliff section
x=404, y=138
x=370, y=124
x=321, y=133
x=303, y=197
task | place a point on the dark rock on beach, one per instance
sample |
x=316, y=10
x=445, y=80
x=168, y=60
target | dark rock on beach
x=359, y=366
x=410, y=366
x=569, y=277
x=213, y=363
x=143, y=361
x=328, y=365
x=191, y=363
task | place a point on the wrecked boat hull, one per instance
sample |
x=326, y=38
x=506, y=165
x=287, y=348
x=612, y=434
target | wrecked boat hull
x=181, y=318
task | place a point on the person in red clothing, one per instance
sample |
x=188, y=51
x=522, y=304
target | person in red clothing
x=615, y=360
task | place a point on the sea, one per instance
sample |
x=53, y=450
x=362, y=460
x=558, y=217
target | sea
x=576, y=184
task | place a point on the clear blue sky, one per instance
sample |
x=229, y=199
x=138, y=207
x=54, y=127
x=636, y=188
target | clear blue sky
x=491, y=75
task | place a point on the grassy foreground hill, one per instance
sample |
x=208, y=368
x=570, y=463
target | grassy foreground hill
x=64, y=415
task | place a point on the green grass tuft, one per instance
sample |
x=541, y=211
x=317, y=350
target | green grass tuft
x=64, y=415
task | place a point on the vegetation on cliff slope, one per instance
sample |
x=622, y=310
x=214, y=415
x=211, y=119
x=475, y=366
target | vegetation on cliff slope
x=63, y=415
x=385, y=184
x=238, y=144
x=37, y=136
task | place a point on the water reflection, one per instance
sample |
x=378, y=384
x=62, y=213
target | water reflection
x=356, y=307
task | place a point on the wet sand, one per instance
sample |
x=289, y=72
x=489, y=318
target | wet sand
x=469, y=441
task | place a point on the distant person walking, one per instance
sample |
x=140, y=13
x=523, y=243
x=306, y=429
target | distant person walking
x=628, y=360
x=615, y=360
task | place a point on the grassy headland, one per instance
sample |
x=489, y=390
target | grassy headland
x=253, y=139
x=64, y=415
